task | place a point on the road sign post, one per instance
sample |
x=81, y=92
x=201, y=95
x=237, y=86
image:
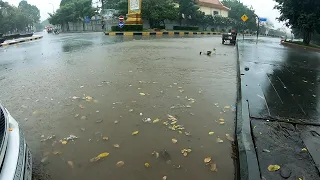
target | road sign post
x=121, y=23
x=244, y=18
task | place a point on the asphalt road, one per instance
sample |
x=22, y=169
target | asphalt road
x=104, y=89
x=280, y=88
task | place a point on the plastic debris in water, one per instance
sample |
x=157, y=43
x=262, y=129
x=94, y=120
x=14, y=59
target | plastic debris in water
x=105, y=138
x=135, y=133
x=211, y=133
x=146, y=165
x=164, y=178
x=100, y=156
x=221, y=123
x=130, y=110
x=116, y=145
x=273, y=168
x=120, y=164
x=83, y=117
x=155, y=154
x=147, y=120
x=142, y=94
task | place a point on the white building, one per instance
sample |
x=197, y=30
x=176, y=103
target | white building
x=213, y=7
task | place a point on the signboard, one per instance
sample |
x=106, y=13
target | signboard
x=121, y=18
x=134, y=5
x=87, y=19
x=262, y=19
x=244, y=18
x=121, y=24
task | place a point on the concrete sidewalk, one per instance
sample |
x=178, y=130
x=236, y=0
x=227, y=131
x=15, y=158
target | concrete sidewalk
x=20, y=40
x=278, y=118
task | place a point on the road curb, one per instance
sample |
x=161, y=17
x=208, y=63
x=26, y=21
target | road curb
x=299, y=46
x=181, y=33
x=21, y=41
x=247, y=161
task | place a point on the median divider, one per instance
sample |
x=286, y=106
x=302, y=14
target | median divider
x=180, y=33
x=20, y=40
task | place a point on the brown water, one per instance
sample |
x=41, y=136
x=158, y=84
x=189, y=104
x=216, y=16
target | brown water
x=38, y=87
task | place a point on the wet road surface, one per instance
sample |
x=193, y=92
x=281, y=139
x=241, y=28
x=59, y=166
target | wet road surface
x=105, y=89
x=281, y=88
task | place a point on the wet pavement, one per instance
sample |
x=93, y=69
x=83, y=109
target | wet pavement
x=124, y=98
x=280, y=89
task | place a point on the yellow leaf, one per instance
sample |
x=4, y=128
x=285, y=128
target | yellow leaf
x=174, y=122
x=174, y=141
x=156, y=120
x=207, y=160
x=222, y=120
x=180, y=132
x=227, y=107
x=221, y=123
x=304, y=150
x=146, y=165
x=165, y=123
x=211, y=133
x=142, y=94
x=64, y=142
x=135, y=133
x=272, y=168
x=102, y=155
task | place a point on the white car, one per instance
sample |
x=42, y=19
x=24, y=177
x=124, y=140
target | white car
x=15, y=156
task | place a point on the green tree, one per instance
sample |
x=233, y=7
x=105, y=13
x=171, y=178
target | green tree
x=188, y=11
x=238, y=9
x=156, y=12
x=303, y=15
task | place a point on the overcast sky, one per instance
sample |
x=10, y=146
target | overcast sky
x=263, y=8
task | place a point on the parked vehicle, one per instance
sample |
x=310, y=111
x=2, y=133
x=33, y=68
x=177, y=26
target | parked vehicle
x=231, y=37
x=15, y=156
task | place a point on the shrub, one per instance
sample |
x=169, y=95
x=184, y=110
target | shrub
x=159, y=27
x=127, y=28
x=186, y=28
x=212, y=29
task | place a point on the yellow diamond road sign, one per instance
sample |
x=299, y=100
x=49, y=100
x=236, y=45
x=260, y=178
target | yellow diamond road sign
x=244, y=18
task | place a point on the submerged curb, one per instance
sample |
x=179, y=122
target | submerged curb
x=20, y=41
x=299, y=46
x=181, y=33
x=248, y=161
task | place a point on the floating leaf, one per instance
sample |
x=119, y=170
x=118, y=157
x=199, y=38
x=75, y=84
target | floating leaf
x=56, y=152
x=135, y=133
x=272, y=168
x=219, y=140
x=185, y=154
x=105, y=138
x=70, y=163
x=100, y=156
x=266, y=150
x=83, y=117
x=43, y=160
x=120, y=164
x=221, y=123
x=130, y=110
x=189, y=150
x=227, y=107
x=207, y=160
x=171, y=118
x=211, y=133
x=304, y=150
x=146, y=165
x=116, y=145
x=89, y=98
x=64, y=142
x=213, y=167
x=142, y=94
x=156, y=154
x=164, y=178
x=229, y=137
x=174, y=141
x=156, y=120
x=221, y=120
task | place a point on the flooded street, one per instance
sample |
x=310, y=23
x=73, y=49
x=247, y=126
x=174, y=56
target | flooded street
x=153, y=103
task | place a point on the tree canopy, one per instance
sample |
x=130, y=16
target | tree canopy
x=301, y=15
x=72, y=11
x=21, y=18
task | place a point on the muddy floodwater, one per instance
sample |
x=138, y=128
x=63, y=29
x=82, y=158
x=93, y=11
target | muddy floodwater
x=99, y=107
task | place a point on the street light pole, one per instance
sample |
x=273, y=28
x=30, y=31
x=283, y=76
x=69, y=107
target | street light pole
x=52, y=7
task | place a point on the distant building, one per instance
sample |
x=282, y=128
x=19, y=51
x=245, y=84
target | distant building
x=213, y=7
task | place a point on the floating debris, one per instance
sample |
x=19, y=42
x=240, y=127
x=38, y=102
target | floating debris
x=304, y=150
x=89, y=98
x=185, y=152
x=75, y=97
x=174, y=141
x=71, y=164
x=116, y=145
x=48, y=138
x=229, y=137
x=76, y=115
x=155, y=154
x=187, y=133
x=213, y=167
x=105, y=138
x=70, y=138
x=135, y=133
x=120, y=164
x=100, y=156
x=211, y=133
x=164, y=178
x=116, y=122
x=83, y=117
x=156, y=120
x=266, y=150
x=207, y=160
x=273, y=168
x=141, y=114
x=142, y=94
x=219, y=140
x=147, y=120
x=146, y=165
x=64, y=142
x=99, y=121
x=130, y=110
x=43, y=160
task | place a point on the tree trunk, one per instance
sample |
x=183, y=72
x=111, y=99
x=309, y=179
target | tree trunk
x=306, y=37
